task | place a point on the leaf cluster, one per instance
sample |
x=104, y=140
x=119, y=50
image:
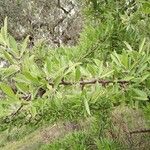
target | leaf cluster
x=49, y=83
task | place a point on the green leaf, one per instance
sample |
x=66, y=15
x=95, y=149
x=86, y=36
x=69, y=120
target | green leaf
x=141, y=68
x=22, y=87
x=145, y=7
x=91, y=70
x=7, y=90
x=84, y=72
x=57, y=80
x=13, y=45
x=143, y=78
x=24, y=46
x=30, y=77
x=12, y=69
x=107, y=74
x=71, y=68
x=2, y=41
x=97, y=62
x=35, y=71
x=22, y=79
x=128, y=46
x=141, y=98
x=33, y=111
x=141, y=94
x=125, y=60
x=48, y=65
x=128, y=78
x=87, y=106
x=116, y=59
x=142, y=45
x=77, y=74
x=9, y=57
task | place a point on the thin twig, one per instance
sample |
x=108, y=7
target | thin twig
x=93, y=81
x=140, y=131
x=17, y=111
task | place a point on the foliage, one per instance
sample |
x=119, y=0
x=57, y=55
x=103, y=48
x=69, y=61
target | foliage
x=109, y=67
x=113, y=24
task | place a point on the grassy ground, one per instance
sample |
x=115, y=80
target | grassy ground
x=80, y=135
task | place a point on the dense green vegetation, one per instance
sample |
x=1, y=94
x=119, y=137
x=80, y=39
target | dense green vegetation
x=93, y=83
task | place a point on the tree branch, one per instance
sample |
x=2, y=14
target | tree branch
x=140, y=131
x=93, y=81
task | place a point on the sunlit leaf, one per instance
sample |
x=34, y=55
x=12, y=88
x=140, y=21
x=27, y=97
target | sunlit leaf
x=107, y=74
x=142, y=45
x=141, y=94
x=87, y=106
x=91, y=70
x=77, y=74
x=57, y=80
x=22, y=87
x=7, y=90
x=24, y=46
x=30, y=77
x=13, y=45
x=9, y=57
x=128, y=46
x=71, y=68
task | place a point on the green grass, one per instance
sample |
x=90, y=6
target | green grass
x=82, y=141
x=82, y=134
x=74, y=141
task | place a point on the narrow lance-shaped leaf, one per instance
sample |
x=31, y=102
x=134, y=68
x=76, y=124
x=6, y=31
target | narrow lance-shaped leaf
x=33, y=111
x=7, y=90
x=141, y=95
x=87, y=106
x=48, y=65
x=3, y=39
x=144, y=77
x=142, y=45
x=24, y=45
x=114, y=59
x=57, y=80
x=22, y=87
x=11, y=70
x=91, y=70
x=71, y=68
x=13, y=45
x=107, y=74
x=9, y=57
x=31, y=78
x=128, y=46
x=77, y=74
